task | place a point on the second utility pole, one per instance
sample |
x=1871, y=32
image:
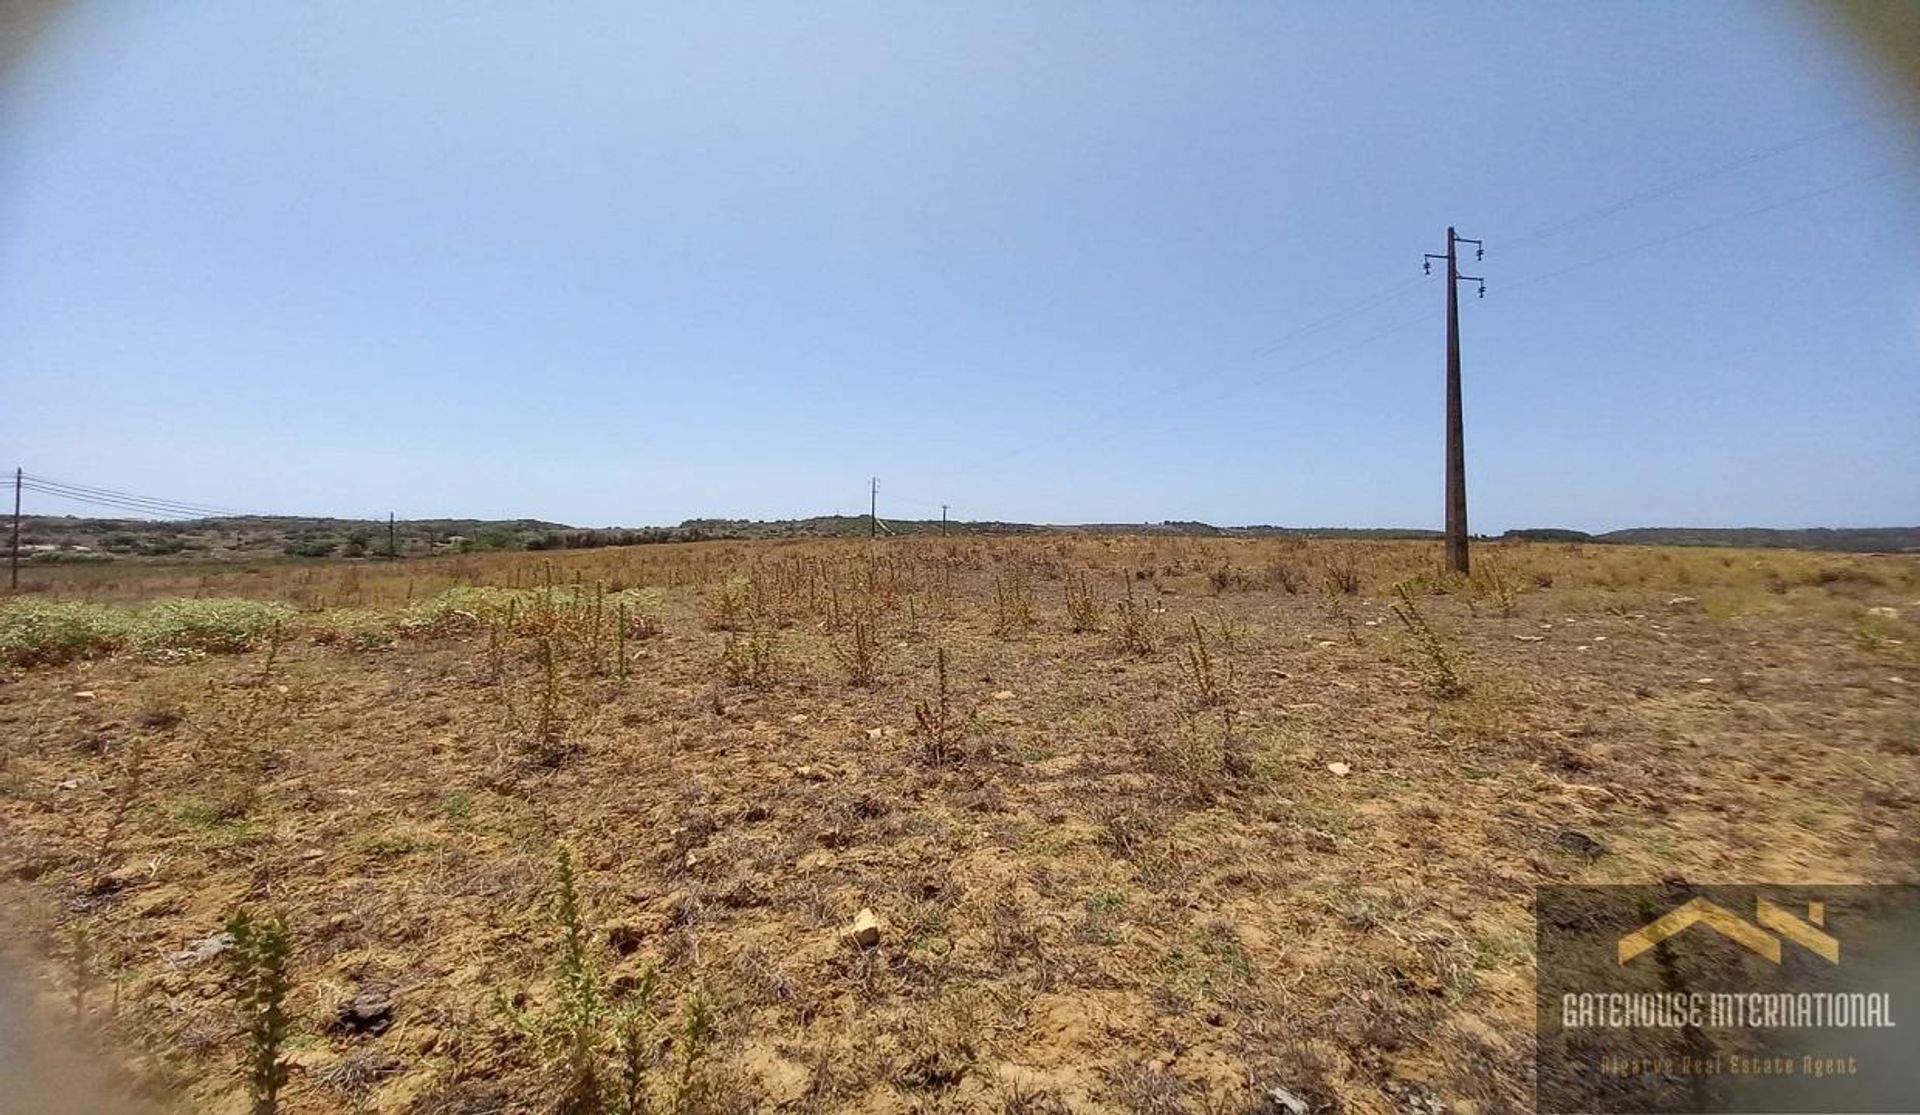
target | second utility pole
x=13, y=567
x=873, y=509
x=1456, y=433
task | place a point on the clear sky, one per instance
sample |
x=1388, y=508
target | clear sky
x=624, y=264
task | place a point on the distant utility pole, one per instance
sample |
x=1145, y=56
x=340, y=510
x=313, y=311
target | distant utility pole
x=1456, y=437
x=873, y=509
x=943, y=520
x=393, y=551
x=13, y=568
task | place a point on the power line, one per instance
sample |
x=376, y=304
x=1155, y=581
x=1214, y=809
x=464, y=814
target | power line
x=110, y=493
x=1372, y=301
x=146, y=506
x=1677, y=184
x=96, y=501
x=1695, y=230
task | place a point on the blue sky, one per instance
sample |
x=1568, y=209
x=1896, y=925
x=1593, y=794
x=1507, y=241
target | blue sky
x=622, y=264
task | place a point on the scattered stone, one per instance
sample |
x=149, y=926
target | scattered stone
x=873, y=733
x=126, y=875
x=1340, y=768
x=866, y=929
x=1681, y=601
x=1003, y=695
x=1579, y=843
x=797, y=718
x=1884, y=612
x=67, y=784
x=83, y=695
x=206, y=948
x=1531, y=638
x=369, y=1012
x=1414, y=1098
x=1287, y=1103
x=1703, y=681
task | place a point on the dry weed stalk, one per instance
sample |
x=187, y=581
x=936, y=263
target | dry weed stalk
x=1210, y=686
x=1012, y=604
x=1134, y=624
x=752, y=660
x=859, y=652
x=934, y=722
x=1083, y=607
x=1443, y=674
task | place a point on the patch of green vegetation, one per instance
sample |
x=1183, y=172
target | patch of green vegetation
x=35, y=631
x=390, y=844
x=223, y=824
x=1101, y=910
x=220, y=625
x=1321, y=816
x=1206, y=960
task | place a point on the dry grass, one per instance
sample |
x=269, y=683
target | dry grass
x=1248, y=836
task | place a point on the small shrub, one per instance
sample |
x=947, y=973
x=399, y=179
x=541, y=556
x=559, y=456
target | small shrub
x=1285, y=576
x=751, y=660
x=603, y=1046
x=859, y=652
x=1343, y=577
x=215, y=625
x=1083, y=607
x=727, y=605
x=1133, y=624
x=35, y=632
x=1012, y=604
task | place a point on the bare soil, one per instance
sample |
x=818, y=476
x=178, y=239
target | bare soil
x=1138, y=887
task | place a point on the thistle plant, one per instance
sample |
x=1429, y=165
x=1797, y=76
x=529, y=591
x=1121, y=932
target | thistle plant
x=259, y=965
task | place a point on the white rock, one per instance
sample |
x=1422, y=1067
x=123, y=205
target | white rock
x=1287, y=1103
x=865, y=930
x=1339, y=768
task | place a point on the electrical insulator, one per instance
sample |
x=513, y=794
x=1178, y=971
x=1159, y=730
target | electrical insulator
x=1426, y=267
x=1479, y=253
x=1483, y=290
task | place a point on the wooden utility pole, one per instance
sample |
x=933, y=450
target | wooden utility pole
x=1456, y=435
x=873, y=509
x=943, y=520
x=393, y=551
x=13, y=568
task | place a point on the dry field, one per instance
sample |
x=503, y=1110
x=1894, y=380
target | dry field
x=1190, y=820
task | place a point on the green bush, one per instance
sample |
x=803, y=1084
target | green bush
x=218, y=625
x=34, y=631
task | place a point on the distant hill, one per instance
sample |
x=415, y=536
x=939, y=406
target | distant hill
x=1853, y=539
x=48, y=539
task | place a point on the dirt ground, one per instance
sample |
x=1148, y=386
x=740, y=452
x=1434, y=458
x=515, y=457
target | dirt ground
x=1273, y=824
